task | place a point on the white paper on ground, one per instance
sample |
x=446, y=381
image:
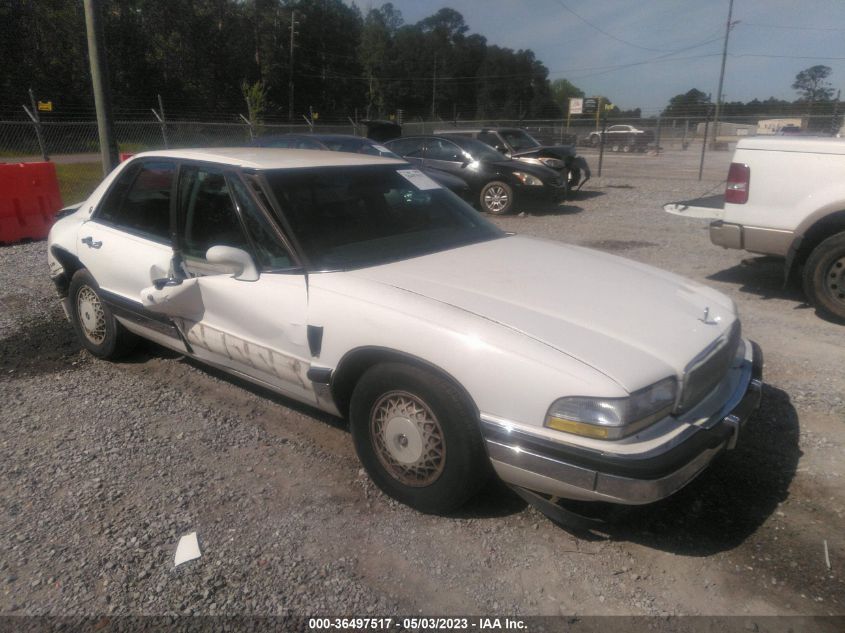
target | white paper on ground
x=187, y=549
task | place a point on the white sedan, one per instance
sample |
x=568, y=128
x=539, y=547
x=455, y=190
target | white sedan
x=361, y=287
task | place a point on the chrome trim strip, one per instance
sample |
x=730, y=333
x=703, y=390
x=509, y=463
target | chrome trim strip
x=548, y=474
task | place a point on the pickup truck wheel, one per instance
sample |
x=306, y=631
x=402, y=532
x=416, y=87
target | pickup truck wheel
x=417, y=438
x=95, y=326
x=824, y=277
x=496, y=198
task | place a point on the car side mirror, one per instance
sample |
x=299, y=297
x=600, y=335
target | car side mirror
x=237, y=258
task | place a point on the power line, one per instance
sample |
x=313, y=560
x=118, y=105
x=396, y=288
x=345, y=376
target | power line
x=792, y=28
x=605, y=33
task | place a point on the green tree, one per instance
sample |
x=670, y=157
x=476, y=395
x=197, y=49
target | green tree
x=562, y=91
x=811, y=83
x=693, y=103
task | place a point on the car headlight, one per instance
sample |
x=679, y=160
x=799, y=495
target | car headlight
x=552, y=163
x=613, y=418
x=528, y=179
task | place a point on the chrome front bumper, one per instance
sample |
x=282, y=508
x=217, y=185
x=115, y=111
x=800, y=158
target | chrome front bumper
x=570, y=472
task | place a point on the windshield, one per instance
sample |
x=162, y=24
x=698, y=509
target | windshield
x=519, y=139
x=345, y=218
x=477, y=149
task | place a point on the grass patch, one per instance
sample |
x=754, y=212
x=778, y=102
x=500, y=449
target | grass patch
x=78, y=180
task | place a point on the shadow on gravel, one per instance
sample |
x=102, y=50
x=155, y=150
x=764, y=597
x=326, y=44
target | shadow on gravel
x=762, y=276
x=561, y=209
x=727, y=503
x=494, y=500
x=267, y=394
x=587, y=194
x=40, y=347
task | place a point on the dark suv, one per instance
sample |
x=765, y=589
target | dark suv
x=518, y=144
x=498, y=183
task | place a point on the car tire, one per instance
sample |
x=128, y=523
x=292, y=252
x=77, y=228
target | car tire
x=95, y=326
x=417, y=437
x=824, y=277
x=626, y=148
x=496, y=198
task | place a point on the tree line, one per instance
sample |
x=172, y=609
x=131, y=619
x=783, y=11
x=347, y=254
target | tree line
x=219, y=56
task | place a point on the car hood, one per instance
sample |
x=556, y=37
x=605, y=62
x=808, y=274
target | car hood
x=634, y=323
x=557, y=151
x=544, y=173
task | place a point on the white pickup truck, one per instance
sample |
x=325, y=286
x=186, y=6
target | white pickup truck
x=786, y=197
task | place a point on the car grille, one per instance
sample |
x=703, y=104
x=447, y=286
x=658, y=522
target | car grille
x=706, y=371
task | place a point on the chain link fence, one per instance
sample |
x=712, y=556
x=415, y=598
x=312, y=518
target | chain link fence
x=665, y=148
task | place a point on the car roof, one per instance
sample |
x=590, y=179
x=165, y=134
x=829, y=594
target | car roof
x=271, y=157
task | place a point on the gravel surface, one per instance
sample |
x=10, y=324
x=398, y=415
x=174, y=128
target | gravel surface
x=104, y=466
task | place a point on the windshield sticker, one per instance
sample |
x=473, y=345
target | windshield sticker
x=418, y=179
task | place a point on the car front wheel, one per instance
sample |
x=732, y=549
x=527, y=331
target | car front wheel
x=496, y=198
x=95, y=326
x=824, y=277
x=417, y=437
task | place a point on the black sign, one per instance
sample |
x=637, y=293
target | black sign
x=590, y=105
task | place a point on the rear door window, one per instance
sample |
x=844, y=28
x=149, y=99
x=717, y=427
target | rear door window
x=409, y=147
x=139, y=201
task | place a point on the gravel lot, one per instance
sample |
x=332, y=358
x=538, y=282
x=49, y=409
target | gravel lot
x=104, y=466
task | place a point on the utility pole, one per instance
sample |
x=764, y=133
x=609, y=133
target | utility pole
x=434, y=90
x=39, y=134
x=834, y=120
x=293, y=34
x=100, y=83
x=722, y=74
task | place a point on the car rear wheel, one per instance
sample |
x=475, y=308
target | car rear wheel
x=95, y=326
x=496, y=198
x=417, y=437
x=824, y=277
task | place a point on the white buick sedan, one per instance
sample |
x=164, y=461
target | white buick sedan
x=359, y=286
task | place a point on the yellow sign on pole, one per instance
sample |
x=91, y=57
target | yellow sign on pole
x=45, y=106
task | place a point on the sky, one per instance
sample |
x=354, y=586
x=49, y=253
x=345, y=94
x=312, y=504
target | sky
x=641, y=53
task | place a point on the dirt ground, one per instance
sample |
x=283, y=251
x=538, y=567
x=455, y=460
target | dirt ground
x=103, y=466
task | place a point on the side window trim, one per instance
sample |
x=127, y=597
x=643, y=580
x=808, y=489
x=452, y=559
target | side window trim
x=269, y=217
x=296, y=250
x=184, y=167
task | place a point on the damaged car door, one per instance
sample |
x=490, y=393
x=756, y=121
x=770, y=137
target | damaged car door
x=240, y=300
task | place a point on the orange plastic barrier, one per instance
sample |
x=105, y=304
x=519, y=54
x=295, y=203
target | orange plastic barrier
x=126, y=156
x=29, y=199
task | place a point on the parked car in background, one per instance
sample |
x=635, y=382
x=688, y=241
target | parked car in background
x=358, y=286
x=518, y=144
x=356, y=145
x=800, y=218
x=497, y=183
x=623, y=138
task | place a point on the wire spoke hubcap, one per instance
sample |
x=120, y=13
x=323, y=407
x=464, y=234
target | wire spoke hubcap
x=91, y=315
x=496, y=198
x=835, y=280
x=407, y=439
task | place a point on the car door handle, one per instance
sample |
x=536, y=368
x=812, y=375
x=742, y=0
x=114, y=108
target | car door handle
x=90, y=243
